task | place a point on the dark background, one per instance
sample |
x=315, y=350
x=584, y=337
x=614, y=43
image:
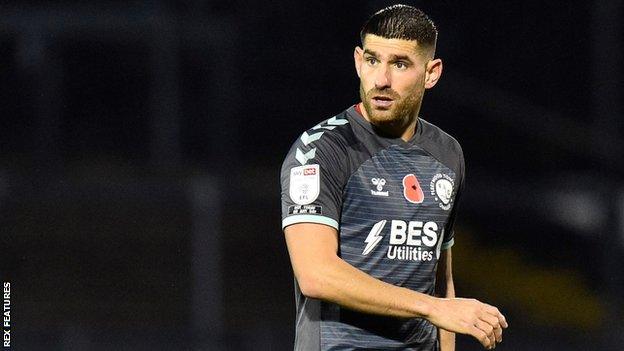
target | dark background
x=141, y=146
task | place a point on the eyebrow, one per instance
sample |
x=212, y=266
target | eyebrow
x=393, y=58
x=370, y=52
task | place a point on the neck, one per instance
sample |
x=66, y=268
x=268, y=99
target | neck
x=403, y=128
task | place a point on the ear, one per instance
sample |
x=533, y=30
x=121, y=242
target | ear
x=433, y=73
x=357, y=59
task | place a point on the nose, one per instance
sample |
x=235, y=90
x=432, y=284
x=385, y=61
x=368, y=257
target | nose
x=382, y=77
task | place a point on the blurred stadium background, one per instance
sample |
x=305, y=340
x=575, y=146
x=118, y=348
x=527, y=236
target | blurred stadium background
x=141, y=144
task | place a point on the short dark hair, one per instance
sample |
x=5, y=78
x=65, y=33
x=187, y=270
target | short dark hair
x=402, y=22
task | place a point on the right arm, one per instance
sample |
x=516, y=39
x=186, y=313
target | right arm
x=323, y=275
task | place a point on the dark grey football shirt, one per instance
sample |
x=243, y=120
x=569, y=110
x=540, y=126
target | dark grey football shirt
x=393, y=204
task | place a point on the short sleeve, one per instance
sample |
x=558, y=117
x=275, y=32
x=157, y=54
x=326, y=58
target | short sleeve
x=311, y=183
x=449, y=231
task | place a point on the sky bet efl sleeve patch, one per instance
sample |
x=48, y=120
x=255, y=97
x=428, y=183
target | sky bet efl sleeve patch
x=304, y=184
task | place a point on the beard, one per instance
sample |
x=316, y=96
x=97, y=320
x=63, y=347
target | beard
x=402, y=112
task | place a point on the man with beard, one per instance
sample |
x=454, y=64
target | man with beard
x=369, y=198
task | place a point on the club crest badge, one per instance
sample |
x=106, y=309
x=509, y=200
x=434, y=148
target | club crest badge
x=442, y=189
x=304, y=184
x=412, y=190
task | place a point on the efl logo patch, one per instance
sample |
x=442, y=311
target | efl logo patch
x=412, y=190
x=442, y=189
x=304, y=184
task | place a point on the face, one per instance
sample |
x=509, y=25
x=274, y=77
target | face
x=394, y=74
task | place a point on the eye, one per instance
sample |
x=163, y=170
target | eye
x=371, y=60
x=400, y=65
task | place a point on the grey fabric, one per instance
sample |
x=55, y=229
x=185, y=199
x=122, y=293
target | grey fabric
x=383, y=228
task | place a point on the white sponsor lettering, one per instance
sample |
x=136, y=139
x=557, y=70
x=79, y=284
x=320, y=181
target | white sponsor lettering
x=409, y=253
x=430, y=229
x=408, y=240
x=397, y=232
x=373, y=237
x=411, y=233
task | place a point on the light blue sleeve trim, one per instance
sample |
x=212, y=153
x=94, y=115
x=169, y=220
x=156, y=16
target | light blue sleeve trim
x=309, y=219
x=448, y=244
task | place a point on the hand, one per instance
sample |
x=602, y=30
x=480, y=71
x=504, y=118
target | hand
x=469, y=316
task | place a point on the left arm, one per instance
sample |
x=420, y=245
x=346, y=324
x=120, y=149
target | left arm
x=444, y=288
